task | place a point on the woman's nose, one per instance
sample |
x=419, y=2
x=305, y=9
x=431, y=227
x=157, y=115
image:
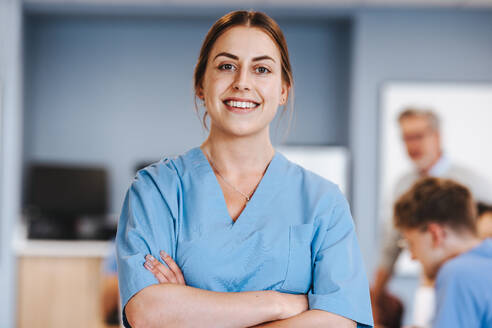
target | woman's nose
x=242, y=81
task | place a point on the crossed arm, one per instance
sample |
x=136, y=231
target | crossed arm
x=173, y=304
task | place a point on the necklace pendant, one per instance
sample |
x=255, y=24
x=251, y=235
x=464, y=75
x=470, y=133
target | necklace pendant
x=227, y=182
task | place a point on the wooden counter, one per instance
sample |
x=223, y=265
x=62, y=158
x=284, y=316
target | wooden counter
x=59, y=283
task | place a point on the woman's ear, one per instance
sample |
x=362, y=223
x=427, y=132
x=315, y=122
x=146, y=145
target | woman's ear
x=199, y=93
x=284, y=93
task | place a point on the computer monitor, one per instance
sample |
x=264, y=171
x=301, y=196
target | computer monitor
x=57, y=193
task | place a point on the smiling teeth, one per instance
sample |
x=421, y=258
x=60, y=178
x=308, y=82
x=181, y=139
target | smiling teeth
x=241, y=104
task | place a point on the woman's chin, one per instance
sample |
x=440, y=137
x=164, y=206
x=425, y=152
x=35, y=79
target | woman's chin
x=245, y=129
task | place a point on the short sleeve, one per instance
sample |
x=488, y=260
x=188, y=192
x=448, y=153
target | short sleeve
x=455, y=302
x=147, y=225
x=340, y=284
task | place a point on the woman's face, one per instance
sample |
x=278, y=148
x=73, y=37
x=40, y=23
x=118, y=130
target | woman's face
x=242, y=86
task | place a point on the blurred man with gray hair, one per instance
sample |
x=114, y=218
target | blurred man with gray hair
x=420, y=131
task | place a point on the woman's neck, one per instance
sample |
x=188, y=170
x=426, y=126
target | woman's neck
x=239, y=156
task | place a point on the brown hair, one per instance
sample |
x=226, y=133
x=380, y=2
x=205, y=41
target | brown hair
x=436, y=200
x=248, y=19
x=431, y=117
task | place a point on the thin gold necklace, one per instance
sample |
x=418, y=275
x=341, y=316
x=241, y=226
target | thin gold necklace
x=226, y=181
x=230, y=184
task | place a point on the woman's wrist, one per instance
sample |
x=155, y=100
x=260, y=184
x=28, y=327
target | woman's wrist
x=288, y=305
x=277, y=304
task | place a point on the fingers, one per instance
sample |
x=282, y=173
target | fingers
x=159, y=270
x=165, y=274
x=151, y=265
x=174, y=267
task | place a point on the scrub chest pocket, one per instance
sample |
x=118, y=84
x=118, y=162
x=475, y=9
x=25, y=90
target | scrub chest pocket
x=299, y=269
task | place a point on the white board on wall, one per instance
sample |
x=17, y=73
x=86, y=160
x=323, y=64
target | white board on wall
x=330, y=162
x=465, y=111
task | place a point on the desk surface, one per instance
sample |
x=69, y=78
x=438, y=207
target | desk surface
x=58, y=248
x=62, y=248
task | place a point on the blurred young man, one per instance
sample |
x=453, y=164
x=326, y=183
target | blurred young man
x=437, y=218
x=420, y=131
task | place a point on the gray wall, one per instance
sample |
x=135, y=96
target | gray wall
x=10, y=150
x=117, y=91
x=392, y=45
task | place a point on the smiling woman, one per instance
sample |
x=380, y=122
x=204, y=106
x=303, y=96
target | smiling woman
x=263, y=25
x=245, y=237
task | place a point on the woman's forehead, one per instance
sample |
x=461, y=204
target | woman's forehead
x=245, y=42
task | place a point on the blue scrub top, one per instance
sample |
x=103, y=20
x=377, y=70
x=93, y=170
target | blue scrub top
x=464, y=289
x=295, y=235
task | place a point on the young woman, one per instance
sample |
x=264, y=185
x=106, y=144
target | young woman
x=247, y=237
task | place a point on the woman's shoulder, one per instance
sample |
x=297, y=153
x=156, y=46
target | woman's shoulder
x=308, y=181
x=168, y=172
x=320, y=197
x=164, y=169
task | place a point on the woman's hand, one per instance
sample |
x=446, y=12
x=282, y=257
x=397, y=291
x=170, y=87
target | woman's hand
x=171, y=274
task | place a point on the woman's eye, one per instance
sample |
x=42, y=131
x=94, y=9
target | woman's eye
x=226, y=67
x=262, y=70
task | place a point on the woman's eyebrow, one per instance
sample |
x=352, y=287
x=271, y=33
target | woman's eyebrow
x=263, y=58
x=226, y=54
x=229, y=55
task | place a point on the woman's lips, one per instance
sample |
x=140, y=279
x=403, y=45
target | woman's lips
x=240, y=106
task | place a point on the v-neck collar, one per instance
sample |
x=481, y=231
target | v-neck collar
x=265, y=189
